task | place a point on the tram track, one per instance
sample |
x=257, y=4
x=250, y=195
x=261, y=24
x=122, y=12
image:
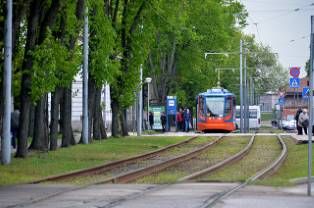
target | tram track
x=210, y=202
x=111, y=165
x=213, y=200
x=124, y=177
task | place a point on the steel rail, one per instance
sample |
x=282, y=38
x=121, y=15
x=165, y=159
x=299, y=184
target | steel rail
x=110, y=165
x=139, y=173
x=221, y=164
x=212, y=201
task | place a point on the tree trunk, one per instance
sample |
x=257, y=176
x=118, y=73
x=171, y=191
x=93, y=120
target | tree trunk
x=67, y=133
x=115, y=117
x=124, y=123
x=31, y=121
x=91, y=106
x=97, y=115
x=33, y=20
x=40, y=139
x=102, y=127
x=54, y=123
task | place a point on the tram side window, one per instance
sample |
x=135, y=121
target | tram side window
x=228, y=106
x=201, y=106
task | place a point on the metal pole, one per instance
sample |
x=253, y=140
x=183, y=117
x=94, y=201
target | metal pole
x=310, y=110
x=241, y=87
x=7, y=85
x=85, y=80
x=245, y=94
x=147, y=105
x=140, y=105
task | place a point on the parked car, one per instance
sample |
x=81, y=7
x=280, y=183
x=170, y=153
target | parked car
x=288, y=124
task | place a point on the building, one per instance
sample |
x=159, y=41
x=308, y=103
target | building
x=293, y=99
x=268, y=101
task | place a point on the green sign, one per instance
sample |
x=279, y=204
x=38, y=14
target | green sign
x=157, y=110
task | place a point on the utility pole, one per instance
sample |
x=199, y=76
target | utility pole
x=241, y=88
x=85, y=79
x=140, y=105
x=7, y=85
x=246, y=107
x=310, y=110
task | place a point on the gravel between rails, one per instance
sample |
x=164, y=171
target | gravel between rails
x=222, y=150
x=172, y=153
x=263, y=152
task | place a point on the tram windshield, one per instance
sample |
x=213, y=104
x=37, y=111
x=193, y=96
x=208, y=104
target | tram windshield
x=215, y=106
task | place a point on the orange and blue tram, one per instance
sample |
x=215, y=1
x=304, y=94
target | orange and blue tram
x=215, y=111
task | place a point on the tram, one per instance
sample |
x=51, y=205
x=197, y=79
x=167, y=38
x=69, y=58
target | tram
x=215, y=111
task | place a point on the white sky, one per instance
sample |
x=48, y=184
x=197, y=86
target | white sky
x=284, y=25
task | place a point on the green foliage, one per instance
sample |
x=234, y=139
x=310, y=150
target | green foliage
x=44, y=67
x=102, y=42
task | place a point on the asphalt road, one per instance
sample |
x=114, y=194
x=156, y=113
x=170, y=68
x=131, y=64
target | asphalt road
x=189, y=195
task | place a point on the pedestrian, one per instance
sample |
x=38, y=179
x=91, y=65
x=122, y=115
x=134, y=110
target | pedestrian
x=296, y=117
x=179, y=120
x=304, y=120
x=163, y=119
x=187, y=118
x=15, y=117
x=151, y=120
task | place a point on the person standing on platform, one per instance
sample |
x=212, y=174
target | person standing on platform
x=187, y=118
x=163, y=119
x=151, y=120
x=179, y=119
x=304, y=120
x=296, y=117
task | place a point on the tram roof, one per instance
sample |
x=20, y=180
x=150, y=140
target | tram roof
x=217, y=92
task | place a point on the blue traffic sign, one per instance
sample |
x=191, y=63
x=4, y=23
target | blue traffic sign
x=294, y=82
x=305, y=92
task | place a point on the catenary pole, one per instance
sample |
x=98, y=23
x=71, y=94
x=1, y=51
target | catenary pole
x=245, y=96
x=7, y=85
x=310, y=110
x=85, y=79
x=140, y=105
x=241, y=87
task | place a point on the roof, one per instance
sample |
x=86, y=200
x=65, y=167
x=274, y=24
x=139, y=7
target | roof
x=217, y=92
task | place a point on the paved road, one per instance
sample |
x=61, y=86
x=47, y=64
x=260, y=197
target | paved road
x=192, y=195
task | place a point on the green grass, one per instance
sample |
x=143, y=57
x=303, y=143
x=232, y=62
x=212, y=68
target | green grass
x=38, y=165
x=268, y=129
x=263, y=152
x=266, y=116
x=295, y=165
x=224, y=149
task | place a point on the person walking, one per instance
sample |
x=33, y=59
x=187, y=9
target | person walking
x=151, y=120
x=296, y=117
x=163, y=119
x=187, y=118
x=304, y=120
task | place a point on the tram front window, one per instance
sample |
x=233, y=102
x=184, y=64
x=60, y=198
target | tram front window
x=215, y=106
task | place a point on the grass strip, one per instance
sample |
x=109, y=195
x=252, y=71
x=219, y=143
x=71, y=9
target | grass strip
x=224, y=149
x=264, y=151
x=42, y=164
x=295, y=165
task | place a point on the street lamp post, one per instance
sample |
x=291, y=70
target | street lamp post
x=148, y=80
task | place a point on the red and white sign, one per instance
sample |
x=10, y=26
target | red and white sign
x=295, y=71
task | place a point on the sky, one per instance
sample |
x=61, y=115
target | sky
x=285, y=26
